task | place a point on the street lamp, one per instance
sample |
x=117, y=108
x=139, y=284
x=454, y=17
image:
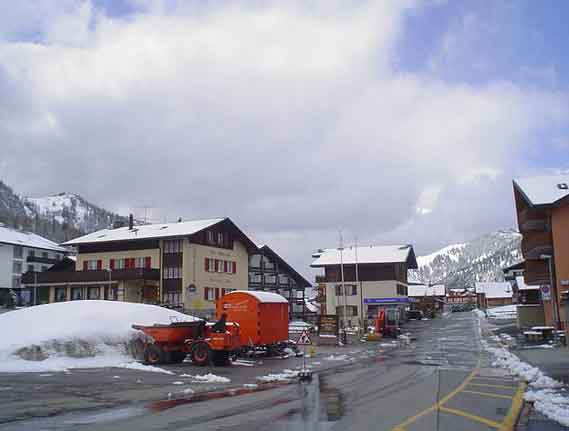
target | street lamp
x=553, y=288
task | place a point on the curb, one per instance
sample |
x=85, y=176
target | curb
x=523, y=419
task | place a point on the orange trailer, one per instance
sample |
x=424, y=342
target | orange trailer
x=262, y=316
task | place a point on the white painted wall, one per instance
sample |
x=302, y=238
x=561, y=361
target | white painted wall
x=6, y=255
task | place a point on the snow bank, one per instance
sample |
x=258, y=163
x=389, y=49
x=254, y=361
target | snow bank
x=506, y=312
x=76, y=334
x=548, y=395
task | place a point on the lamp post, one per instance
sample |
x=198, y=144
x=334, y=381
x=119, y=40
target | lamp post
x=554, y=296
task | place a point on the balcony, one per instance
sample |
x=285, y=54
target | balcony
x=535, y=225
x=47, y=277
x=535, y=244
x=528, y=215
x=40, y=259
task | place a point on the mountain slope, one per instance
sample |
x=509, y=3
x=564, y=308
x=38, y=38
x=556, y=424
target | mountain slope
x=58, y=217
x=462, y=265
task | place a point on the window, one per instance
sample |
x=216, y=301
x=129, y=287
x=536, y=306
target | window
x=92, y=265
x=401, y=289
x=210, y=238
x=172, y=272
x=31, y=252
x=270, y=279
x=94, y=293
x=220, y=239
x=220, y=266
x=16, y=282
x=173, y=246
x=45, y=254
x=17, y=267
x=351, y=310
x=255, y=277
x=172, y=298
x=351, y=290
x=255, y=261
x=76, y=293
x=18, y=251
x=210, y=293
x=112, y=294
x=267, y=264
x=139, y=262
x=44, y=268
x=60, y=294
x=283, y=279
x=31, y=268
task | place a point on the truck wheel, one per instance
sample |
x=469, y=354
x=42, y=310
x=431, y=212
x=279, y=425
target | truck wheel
x=220, y=358
x=153, y=354
x=201, y=353
x=177, y=357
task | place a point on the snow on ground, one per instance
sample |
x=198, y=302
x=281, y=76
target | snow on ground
x=506, y=312
x=285, y=376
x=77, y=334
x=336, y=357
x=206, y=378
x=549, y=396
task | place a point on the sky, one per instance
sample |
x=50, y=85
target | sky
x=394, y=122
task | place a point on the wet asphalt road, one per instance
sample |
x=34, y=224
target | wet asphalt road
x=442, y=381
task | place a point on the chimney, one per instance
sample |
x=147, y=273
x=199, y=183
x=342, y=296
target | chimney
x=130, y=222
x=179, y=219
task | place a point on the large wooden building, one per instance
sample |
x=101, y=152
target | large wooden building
x=374, y=277
x=542, y=206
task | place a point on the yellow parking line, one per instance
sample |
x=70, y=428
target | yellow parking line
x=509, y=422
x=494, y=386
x=471, y=417
x=488, y=394
x=443, y=400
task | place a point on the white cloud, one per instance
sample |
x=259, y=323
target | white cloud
x=287, y=117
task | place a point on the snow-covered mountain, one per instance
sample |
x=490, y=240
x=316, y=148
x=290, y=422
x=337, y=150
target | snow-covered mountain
x=461, y=265
x=72, y=209
x=58, y=217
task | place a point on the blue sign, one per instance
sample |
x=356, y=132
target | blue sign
x=403, y=299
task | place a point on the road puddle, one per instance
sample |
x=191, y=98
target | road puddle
x=321, y=407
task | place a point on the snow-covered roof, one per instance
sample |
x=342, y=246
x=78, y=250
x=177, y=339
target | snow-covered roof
x=263, y=296
x=520, y=282
x=423, y=290
x=27, y=239
x=545, y=189
x=495, y=289
x=369, y=254
x=313, y=307
x=147, y=231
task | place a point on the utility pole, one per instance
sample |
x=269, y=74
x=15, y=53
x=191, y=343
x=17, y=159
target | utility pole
x=343, y=287
x=358, y=284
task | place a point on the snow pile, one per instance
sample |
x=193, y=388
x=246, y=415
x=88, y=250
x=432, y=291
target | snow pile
x=337, y=357
x=285, y=376
x=548, y=395
x=77, y=334
x=207, y=378
x=479, y=313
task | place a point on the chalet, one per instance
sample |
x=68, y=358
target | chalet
x=430, y=298
x=460, y=296
x=494, y=294
x=187, y=265
x=542, y=207
x=373, y=277
x=22, y=251
x=270, y=272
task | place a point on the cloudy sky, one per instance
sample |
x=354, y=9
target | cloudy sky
x=397, y=122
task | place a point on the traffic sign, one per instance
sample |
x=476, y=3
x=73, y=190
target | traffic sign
x=304, y=339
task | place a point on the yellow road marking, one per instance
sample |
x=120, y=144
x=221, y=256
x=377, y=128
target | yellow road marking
x=488, y=394
x=494, y=386
x=509, y=422
x=443, y=400
x=471, y=417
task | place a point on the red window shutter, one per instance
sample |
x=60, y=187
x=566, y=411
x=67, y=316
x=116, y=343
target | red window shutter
x=234, y=267
x=147, y=262
x=206, y=261
x=205, y=291
x=112, y=264
x=132, y=262
x=216, y=293
x=99, y=265
x=85, y=265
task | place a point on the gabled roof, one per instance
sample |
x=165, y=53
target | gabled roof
x=369, y=254
x=28, y=239
x=543, y=190
x=300, y=280
x=495, y=289
x=148, y=231
x=420, y=290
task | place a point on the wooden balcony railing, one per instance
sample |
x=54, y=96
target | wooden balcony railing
x=535, y=244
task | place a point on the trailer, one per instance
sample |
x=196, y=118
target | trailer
x=262, y=318
x=205, y=343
